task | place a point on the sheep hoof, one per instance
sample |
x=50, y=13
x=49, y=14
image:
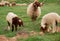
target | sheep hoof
x=53, y=31
x=41, y=33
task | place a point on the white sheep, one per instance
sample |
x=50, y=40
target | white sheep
x=2, y=4
x=34, y=10
x=5, y=2
x=13, y=21
x=48, y=20
x=13, y=3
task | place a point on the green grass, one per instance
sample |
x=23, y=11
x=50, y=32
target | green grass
x=29, y=26
x=47, y=37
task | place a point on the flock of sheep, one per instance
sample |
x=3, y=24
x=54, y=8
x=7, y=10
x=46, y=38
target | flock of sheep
x=34, y=12
x=48, y=20
x=7, y=3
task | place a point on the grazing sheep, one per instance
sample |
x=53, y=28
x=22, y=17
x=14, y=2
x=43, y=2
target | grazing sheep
x=48, y=20
x=5, y=2
x=34, y=10
x=13, y=20
x=13, y=3
x=1, y=4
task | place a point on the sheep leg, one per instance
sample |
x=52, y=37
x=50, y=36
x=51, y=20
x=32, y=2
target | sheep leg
x=54, y=27
x=8, y=25
x=49, y=29
x=34, y=17
x=22, y=24
x=12, y=27
x=15, y=27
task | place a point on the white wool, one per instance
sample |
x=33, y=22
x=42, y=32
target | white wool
x=30, y=10
x=10, y=16
x=2, y=4
x=50, y=19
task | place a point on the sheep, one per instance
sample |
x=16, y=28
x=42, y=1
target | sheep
x=48, y=20
x=13, y=20
x=5, y=2
x=13, y=3
x=1, y=4
x=34, y=10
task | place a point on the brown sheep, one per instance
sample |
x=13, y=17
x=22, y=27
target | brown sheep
x=14, y=21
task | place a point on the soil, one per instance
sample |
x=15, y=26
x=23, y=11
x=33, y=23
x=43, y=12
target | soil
x=23, y=34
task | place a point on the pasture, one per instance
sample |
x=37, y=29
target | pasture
x=29, y=25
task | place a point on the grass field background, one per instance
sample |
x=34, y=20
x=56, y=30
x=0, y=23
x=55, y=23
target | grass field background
x=49, y=6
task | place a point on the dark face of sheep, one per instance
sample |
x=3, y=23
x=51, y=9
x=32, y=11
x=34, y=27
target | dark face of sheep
x=8, y=4
x=36, y=4
x=44, y=29
x=17, y=21
x=20, y=22
x=13, y=3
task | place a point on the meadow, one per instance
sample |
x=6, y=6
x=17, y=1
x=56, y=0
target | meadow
x=29, y=25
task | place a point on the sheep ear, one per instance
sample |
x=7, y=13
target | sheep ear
x=42, y=3
x=19, y=20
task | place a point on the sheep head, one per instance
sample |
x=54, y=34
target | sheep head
x=37, y=4
x=41, y=4
x=20, y=23
x=44, y=28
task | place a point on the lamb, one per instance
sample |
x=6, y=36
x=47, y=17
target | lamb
x=2, y=4
x=34, y=10
x=48, y=20
x=13, y=3
x=5, y=2
x=14, y=21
